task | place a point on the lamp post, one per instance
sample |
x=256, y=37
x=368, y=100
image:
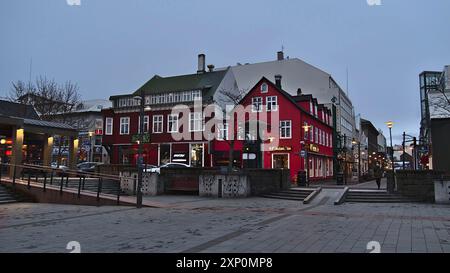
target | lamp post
x=91, y=157
x=140, y=160
x=390, y=124
x=354, y=142
x=306, y=130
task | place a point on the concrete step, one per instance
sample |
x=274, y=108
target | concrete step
x=283, y=197
x=367, y=196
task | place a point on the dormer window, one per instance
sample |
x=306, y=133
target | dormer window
x=264, y=88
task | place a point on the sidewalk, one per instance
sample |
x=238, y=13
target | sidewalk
x=350, y=183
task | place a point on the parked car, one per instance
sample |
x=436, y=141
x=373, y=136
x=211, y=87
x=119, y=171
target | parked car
x=88, y=166
x=167, y=165
x=149, y=168
x=63, y=168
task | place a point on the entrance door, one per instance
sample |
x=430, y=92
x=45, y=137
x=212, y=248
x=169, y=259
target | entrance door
x=280, y=161
x=196, y=155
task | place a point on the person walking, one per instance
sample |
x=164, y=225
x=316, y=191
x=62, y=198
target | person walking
x=378, y=173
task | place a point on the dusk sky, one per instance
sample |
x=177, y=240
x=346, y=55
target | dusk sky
x=112, y=47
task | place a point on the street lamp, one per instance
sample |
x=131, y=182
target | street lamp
x=306, y=129
x=140, y=162
x=91, y=158
x=390, y=124
x=354, y=142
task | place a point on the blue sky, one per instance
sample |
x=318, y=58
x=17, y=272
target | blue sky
x=113, y=46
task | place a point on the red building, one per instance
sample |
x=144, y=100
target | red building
x=277, y=146
x=162, y=128
x=286, y=134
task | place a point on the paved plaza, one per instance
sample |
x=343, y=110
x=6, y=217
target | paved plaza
x=194, y=224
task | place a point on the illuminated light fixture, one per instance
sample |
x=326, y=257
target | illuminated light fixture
x=390, y=124
x=3, y=141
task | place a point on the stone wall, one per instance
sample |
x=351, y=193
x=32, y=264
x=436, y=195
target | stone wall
x=224, y=185
x=442, y=191
x=268, y=180
x=417, y=184
x=151, y=184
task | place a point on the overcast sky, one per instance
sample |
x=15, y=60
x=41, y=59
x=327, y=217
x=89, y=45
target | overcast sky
x=113, y=46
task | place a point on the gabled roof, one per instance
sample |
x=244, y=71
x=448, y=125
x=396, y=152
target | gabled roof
x=207, y=81
x=287, y=96
x=13, y=109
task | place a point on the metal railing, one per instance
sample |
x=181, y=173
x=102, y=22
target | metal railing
x=63, y=179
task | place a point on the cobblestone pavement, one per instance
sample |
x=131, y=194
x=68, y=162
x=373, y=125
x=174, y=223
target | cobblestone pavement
x=193, y=224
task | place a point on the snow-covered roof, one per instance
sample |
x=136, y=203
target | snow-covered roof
x=95, y=105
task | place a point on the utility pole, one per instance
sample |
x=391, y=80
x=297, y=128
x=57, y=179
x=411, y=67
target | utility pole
x=403, y=143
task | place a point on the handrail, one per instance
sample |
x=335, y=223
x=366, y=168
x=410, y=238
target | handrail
x=65, y=174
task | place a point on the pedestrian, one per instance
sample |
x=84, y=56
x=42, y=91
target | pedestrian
x=378, y=173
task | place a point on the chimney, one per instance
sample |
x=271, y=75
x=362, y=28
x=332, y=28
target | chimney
x=280, y=55
x=210, y=67
x=201, y=64
x=278, y=80
x=299, y=92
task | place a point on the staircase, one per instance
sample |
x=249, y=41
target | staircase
x=292, y=194
x=6, y=196
x=108, y=186
x=376, y=196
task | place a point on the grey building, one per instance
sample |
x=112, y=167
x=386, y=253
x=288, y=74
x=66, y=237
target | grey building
x=435, y=109
x=87, y=120
x=299, y=75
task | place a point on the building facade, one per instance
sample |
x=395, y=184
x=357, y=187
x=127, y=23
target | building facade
x=165, y=140
x=298, y=137
x=434, y=104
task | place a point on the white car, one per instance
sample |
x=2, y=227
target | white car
x=63, y=168
x=167, y=165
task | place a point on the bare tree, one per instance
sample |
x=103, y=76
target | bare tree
x=232, y=98
x=52, y=101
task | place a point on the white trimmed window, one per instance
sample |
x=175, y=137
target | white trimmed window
x=264, y=88
x=125, y=125
x=311, y=107
x=196, y=122
x=172, y=123
x=222, y=131
x=157, y=123
x=311, y=133
x=257, y=104
x=146, y=124
x=285, y=129
x=272, y=103
x=316, y=132
x=196, y=94
x=109, y=126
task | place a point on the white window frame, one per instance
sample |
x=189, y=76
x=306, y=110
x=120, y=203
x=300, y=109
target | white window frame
x=273, y=103
x=286, y=127
x=172, y=118
x=124, y=121
x=222, y=131
x=157, y=120
x=264, y=88
x=194, y=119
x=316, y=135
x=146, y=124
x=311, y=135
x=258, y=100
x=111, y=122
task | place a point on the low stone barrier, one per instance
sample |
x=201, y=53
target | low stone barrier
x=417, y=184
x=151, y=184
x=224, y=185
x=442, y=190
